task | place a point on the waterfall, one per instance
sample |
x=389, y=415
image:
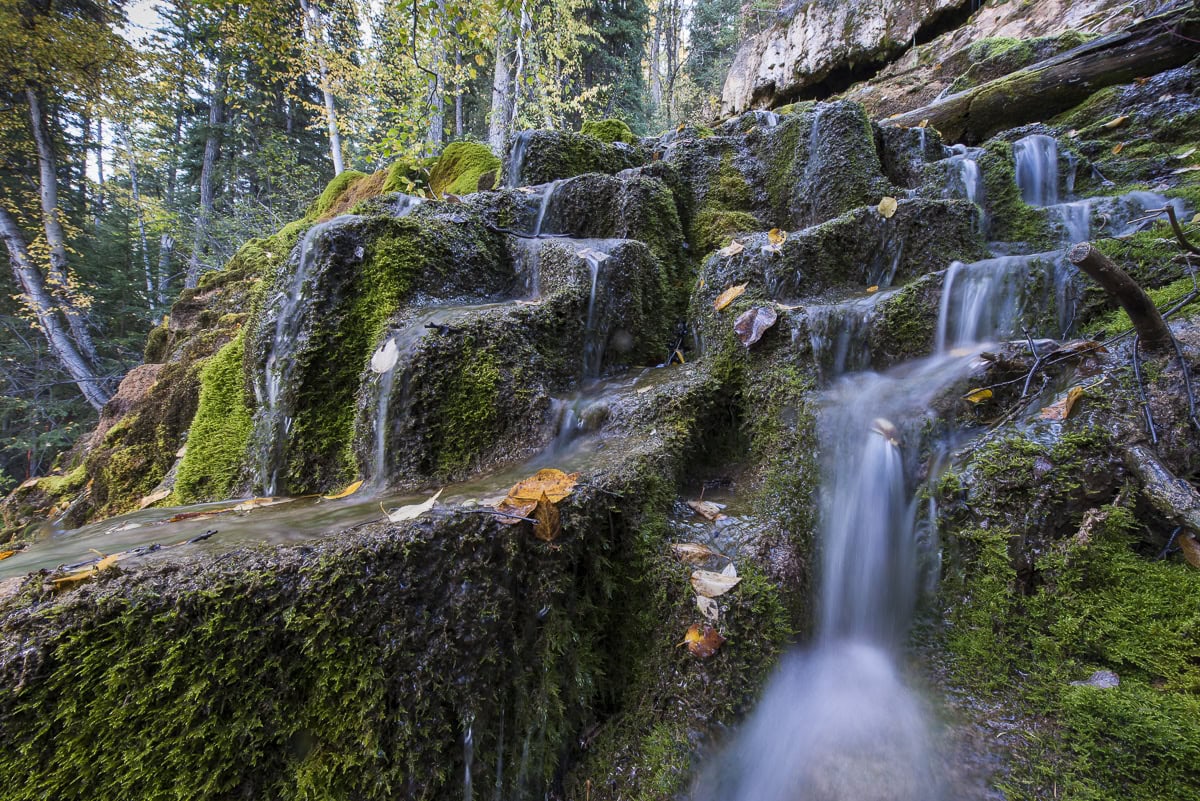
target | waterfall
x=593, y=336
x=516, y=158
x=548, y=191
x=767, y=118
x=838, y=334
x=1036, y=158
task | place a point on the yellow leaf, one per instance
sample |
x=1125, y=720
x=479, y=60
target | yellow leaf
x=711, y=584
x=1117, y=148
x=732, y=249
x=5, y=554
x=776, y=236
x=728, y=296
x=1196, y=219
x=346, y=493
x=750, y=130
x=978, y=395
x=549, y=522
x=153, y=498
x=255, y=503
x=413, y=510
x=692, y=552
x=887, y=207
x=702, y=641
x=1117, y=123
x=523, y=498
x=873, y=288
x=1061, y=409
x=923, y=123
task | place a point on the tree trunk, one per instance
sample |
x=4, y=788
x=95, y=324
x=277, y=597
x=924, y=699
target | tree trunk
x=46, y=311
x=1044, y=89
x=56, y=239
x=315, y=30
x=655, y=77
x=212, y=145
x=458, y=94
x=166, y=244
x=123, y=135
x=437, y=119
x=502, y=88
x=1147, y=321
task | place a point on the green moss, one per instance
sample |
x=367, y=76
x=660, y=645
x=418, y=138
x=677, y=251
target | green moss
x=712, y=228
x=467, y=420
x=410, y=176
x=1010, y=218
x=461, y=167
x=609, y=131
x=157, y=342
x=220, y=431
x=333, y=190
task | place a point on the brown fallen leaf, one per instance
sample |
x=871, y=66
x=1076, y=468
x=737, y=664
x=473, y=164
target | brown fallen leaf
x=523, y=498
x=258, y=503
x=732, y=249
x=1116, y=123
x=925, y=122
x=30, y=482
x=1117, y=148
x=706, y=509
x=711, y=584
x=728, y=296
x=549, y=522
x=1061, y=409
x=1185, y=154
x=753, y=323
x=106, y=562
x=153, y=498
x=692, y=552
x=872, y=289
x=702, y=641
x=709, y=608
x=887, y=207
x=978, y=395
x=346, y=493
x=1190, y=547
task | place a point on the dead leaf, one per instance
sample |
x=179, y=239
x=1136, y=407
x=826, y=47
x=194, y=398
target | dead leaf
x=728, y=296
x=30, y=482
x=413, y=510
x=106, y=562
x=1117, y=148
x=692, y=552
x=729, y=570
x=153, y=498
x=887, y=207
x=1186, y=153
x=709, y=608
x=1116, y=123
x=1061, y=409
x=923, y=123
x=549, y=522
x=732, y=249
x=706, y=509
x=1190, y=547
x=776, y=236
x=711, y=584
x=523, y=498
x=978, y=395
x=702, y=641
x=872, y=289
x=385, y=356
x=257, y=503
x=1182, y=170
x=753, y=323
x=1196, y=219
x=6, y=554
x=346, y=493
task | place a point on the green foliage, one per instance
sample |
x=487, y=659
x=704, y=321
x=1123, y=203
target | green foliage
x=609, y=131
x=461, y=167
x=220, y=431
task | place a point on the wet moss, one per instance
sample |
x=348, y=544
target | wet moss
x=1010, y=218
x=410, y=176
x=333, y=190
x=712, y=229
x=220, y=431
x=157, y=343
x=461, y=167
x=467, y=420
x=609, y=131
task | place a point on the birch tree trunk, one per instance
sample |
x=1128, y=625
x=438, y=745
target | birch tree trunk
x=123, y=135
x=315, y=32
x=502, y=88
x=212, y=145
x=437, y=119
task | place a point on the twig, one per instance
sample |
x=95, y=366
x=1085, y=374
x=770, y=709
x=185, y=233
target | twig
x=1037, y=360
x=497, y=512
x=1167, y=549
x=1183, y=240
x=1141, y=389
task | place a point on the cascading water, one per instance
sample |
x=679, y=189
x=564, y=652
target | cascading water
x=838, y=333
x=983, y=300
x=1036, y=158
x=516, y=158
x=593, y=337
x=544, y=205
x=766, y=118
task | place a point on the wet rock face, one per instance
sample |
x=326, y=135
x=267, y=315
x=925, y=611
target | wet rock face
x=535, y=157
x=811, y=40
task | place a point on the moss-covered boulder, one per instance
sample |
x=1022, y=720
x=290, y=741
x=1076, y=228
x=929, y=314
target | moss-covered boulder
x=609, y=131
x=463, y=168
x=536, y=157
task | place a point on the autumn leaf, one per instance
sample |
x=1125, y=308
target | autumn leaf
x=711, y=584
x=153, y=498
x=549, y=522
x=412, y=511
x=753, y=323
x=706, y=509
x=105, y=563
x=692, y=552
x=887, y=207
x=886, y=429
x=385, y=356
x=1061, y=409
x=257, y=503
x=776, y=236
x=523, y=498
x=923, y=123
x=1116, y=123
x=978, y=395
x=1117, y=148
x=702, y=641
x=732, y=249
x=709, y=608
x=346, y=493
x=872, y=289
x=6, y=554
x=1190, y=547
x=728, y=296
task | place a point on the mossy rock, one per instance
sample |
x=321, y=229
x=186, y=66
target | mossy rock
x=609, y=131
x=333, y=190
x=408, y=175
x=554, y=155
x=463, y=168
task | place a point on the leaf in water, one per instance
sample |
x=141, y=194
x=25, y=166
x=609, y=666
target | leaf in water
x=1182, y=170
x=887, y=207
x=153, y=498
x=872, y=289
x=702, y=641
x=6, y=554
x=711, y=584
x=1116, y=123
x=257, y=503
x=549, y=522
x=86, y=573
x=1190, y=547
x=978, y=395
x=1117, y=148
x=706, y=509
x=692, y=552
x=385, y=356
x=732, y=249
x=523, y=498
x=753, y=323
x=1061, y=409
x=709, y=608
x=776, y=236
x=412, y=511
x=346, y=493
x=730, y=570
x=728, y=296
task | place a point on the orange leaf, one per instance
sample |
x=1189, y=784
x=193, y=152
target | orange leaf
x=346, y=493
x=5, y=554
x=1061, y=409
x=1190, y=547
x=549, y=523
x=702, y=641
x=728, y=296
x=523, y=498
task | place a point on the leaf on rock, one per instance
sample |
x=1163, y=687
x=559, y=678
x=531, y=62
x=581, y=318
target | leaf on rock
x=728, y=296
x=776, y=237
x=6, y=554
x=732, y=249
x=702, y=641
x=1117, y=148
x=711, y=584
x=887, y=207
x=346, y=493
x=709, y=608
x=730, y=570
x=1196, y=219
x=753, y=323
x=1116, y=123
x=692, y=552
x=385, y=356
x=1073, y=133
x=706, y=509
x=549, y=522
x=523, y=498
x=412, y=511
x=978, y=395
x=1061, y=409
x=153, y=498
x=1185, y=154
x=923, y=123
x=1190, y=547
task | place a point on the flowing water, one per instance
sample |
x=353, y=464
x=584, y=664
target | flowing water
x=838, y=333
x=516, y=158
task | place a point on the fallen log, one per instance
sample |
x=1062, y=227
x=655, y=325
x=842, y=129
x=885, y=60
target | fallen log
x=1151, y=329
x=1049, y=87
x=1172, y=497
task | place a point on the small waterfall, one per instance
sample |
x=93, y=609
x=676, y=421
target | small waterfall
x=405, y=205
x=516, y=158
x=468, y=756
x=527, y=257
x=838, y=334
x=1036, y=158
x=966, y=167
x=983, y=300
x=548, y=191
x=766, y=118
x=593, y=337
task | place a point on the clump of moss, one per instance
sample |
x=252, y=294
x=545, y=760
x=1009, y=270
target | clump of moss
x=410, y=176
x=157, y=342
x=220, y=431
x=1010, y=218
x=333, y=190
x=461, y=169
x=609, y=131
x=467, y=420
x=712, y=228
